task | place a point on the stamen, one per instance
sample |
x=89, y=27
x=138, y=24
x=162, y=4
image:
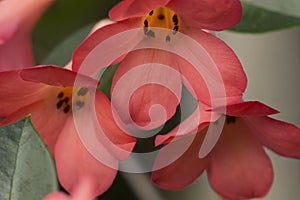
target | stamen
x=230, y=119
x=175, y=29
x=151, y=13
x=67, y=108
x=146, y=23
x=2, y=118
x=59, y=104
x=168, y=38
x=66, y=99
x=82, y=91
x=161, y=17
x=79, y=104
x=60, y=95
x=175, y=19
x=150, y=34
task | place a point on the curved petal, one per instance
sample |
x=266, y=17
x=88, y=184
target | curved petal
x=90, y=56
x=121, y=142
x=57, y=196
x=15, y=42
x=281, y=137
x=183, y=171
x=17, y=97
x=208, y=14
x=248, y=108
x=219, y=79
x=146, y=88
x=238, y=166
x=198, y=120
x=74, y=163
x=82, y=192
x=134, y=8
x=55, y=76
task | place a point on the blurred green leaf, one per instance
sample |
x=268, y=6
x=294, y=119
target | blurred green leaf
x=26, y=171
x=106, y=79
x=62, y=19
x=287, y=7
x=62, y=53
x=258, y=20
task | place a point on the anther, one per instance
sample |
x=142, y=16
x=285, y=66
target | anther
x=161, y=17
x=168, y=38
x=67, y=108
x=59, y=104
x=175, y=29
x=82, y=91
x=230, y=119
x=79, y=104
x=66, y=99
x=151, y=13
x=175, y=19
x=146, y=23
x=60, y=95
x=150, y=34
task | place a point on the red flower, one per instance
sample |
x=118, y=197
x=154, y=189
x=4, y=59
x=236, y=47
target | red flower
x=48, y=93
x=175, y=25
x=17, y=20
x=237, y=167
x=83, y=191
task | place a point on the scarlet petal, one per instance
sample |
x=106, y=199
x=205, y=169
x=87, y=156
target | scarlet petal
x=208, y=14
x=248, y=108
x=74, y=163
x=57, y=196
x=17, y=97
x=219, y=69
x=238, y=166
x=120, y=143
x=281, y=137
x=56, y=76
x=134, y=8
x=146, y=88
x=86, y=57
x=183, y=171
x=198, y=120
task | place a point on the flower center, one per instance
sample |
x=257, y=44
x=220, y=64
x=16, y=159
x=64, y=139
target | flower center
x=69, y=95
x=163, y=18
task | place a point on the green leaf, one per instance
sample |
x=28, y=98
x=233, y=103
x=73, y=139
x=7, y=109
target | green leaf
x=62, y=54
x=62, y=19
x=287, y=7
x=258, y=20
x=26, y=170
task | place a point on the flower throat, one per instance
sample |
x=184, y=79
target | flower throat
x=163, y=18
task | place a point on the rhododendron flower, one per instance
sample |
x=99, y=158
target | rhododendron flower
x=49, y=95
x=17, y=20
x=237, y=167
x=83, y=191
x=163, y=23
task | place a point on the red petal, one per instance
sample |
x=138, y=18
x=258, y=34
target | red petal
x=248, y=108
x=216, y=69
x=134, y=8
x=74, y=162
x=238, y=167
x=17, y=97
x=208, y=14
x=183, y=171
x=281, y=137
x=120, y=143
x=56, y=76
x=99, y=45
x=146, y=88
x=198, y=120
